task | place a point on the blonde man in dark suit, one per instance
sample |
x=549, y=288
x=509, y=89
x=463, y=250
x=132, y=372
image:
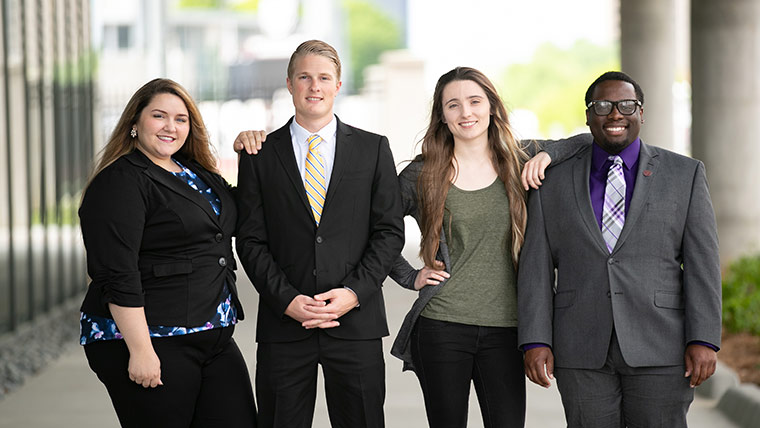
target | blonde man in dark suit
x=320, y=225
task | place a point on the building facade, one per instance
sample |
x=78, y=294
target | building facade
x=46, y=151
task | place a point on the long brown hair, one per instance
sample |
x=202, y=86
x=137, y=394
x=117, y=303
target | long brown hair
x=438, y=168
x=196, y=147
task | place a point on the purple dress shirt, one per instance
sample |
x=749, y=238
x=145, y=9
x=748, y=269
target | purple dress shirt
x=600, y=165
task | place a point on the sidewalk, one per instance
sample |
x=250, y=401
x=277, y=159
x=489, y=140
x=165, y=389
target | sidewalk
x=67, y=393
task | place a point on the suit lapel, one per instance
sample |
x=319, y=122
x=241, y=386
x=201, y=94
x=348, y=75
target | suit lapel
x=343, y=149
x=644, y=175
x=283, y=147
x=217, y=186
x=581, y=174
x=176, y=185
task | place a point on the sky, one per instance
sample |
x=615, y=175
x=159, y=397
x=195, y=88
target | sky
x=491, y=34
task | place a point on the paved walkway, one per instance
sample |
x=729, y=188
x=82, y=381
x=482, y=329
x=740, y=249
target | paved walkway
x=67, y=393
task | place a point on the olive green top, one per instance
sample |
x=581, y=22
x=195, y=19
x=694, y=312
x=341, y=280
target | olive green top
x=482, y=287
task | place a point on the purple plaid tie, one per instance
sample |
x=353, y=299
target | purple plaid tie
x=613, y=214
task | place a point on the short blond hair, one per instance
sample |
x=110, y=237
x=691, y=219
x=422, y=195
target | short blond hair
x=314, y=47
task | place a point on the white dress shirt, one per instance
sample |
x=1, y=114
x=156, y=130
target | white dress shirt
x=326, y=150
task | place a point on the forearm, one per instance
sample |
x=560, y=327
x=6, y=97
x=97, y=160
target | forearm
x=701, y=266
x=387, y=229
x=144, y=365
x=266, y=275
x=560, y=150
x=252, y=241
x=133, y=327
x=535, y=279
x=403, y=272
x=113, y=219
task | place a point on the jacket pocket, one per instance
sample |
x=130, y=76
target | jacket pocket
x=173, y=268
x=668, y=299
x=564, y=299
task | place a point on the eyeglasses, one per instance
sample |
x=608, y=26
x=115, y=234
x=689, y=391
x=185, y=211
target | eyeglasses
x=604, y=107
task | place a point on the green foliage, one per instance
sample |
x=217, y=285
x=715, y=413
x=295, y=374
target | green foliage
x=554, y=83
x=234, y=5
x=77, y=70
x=741, y=296
x=245, y=5
x=370, y=32
x=200, y=4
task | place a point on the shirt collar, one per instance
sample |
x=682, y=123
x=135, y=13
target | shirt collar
x=630, y=155
x=300, y=134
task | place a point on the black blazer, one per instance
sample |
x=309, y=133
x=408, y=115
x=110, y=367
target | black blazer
x=360, y=234
x=153, y=241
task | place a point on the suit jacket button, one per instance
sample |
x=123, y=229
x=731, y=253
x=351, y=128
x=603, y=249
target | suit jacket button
x=319, y=239
x=314, y=272
x=609, y=294
x=218, y=237
x=610, y=261
x=222, y=262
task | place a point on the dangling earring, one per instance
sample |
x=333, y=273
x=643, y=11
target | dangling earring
x=133, y=132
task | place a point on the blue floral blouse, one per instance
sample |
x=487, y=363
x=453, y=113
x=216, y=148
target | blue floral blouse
x=94, y=328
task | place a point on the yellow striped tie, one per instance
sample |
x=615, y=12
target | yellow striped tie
x=314, y=181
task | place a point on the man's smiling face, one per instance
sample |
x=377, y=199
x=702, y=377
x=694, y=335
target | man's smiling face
x=615, y=131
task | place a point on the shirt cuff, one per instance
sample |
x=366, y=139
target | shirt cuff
x=709, y=345
x=529, y=346
x=357, y=296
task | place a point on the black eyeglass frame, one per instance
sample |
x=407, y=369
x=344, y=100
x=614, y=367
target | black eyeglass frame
x=613, y=105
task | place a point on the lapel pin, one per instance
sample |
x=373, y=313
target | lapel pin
x=647, y=173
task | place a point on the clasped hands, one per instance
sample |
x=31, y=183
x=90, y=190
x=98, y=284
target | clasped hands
x=322, y=310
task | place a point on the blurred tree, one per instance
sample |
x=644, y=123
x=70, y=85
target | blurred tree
x=244, y=5
x=370, y=32
x=235, y=5
x=200, y=4
x=554, y=84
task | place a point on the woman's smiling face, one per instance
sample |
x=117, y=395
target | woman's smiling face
x=162, y=127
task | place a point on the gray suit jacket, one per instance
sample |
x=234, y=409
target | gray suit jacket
x=660, y=288
x=404, y=274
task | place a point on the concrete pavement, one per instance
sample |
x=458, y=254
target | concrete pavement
x=68, y=394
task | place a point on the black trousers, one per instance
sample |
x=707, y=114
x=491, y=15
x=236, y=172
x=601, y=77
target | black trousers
x=205, y=382
x=448, y=356
x=354, y=372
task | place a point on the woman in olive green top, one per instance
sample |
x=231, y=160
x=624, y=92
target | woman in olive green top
x=464, y=191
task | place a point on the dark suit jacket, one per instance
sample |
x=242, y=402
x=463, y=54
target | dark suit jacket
x=360, y=234
x=153, y=241
x=659, y=288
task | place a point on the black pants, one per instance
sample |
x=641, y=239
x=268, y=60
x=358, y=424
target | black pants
x=205, y=382
x=447, y=356
x=286, y=382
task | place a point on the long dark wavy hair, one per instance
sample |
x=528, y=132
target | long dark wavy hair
x=438, y=170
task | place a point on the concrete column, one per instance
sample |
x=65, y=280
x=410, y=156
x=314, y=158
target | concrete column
x=725, y=56
x=406, y=103
x=647, y=50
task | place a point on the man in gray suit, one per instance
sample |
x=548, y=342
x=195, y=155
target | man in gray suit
x=619, y=290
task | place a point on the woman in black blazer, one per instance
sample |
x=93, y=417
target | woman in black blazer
x=157, y=221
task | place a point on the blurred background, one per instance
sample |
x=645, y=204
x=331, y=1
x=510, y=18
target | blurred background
x=232, y=56
x=68, y=67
